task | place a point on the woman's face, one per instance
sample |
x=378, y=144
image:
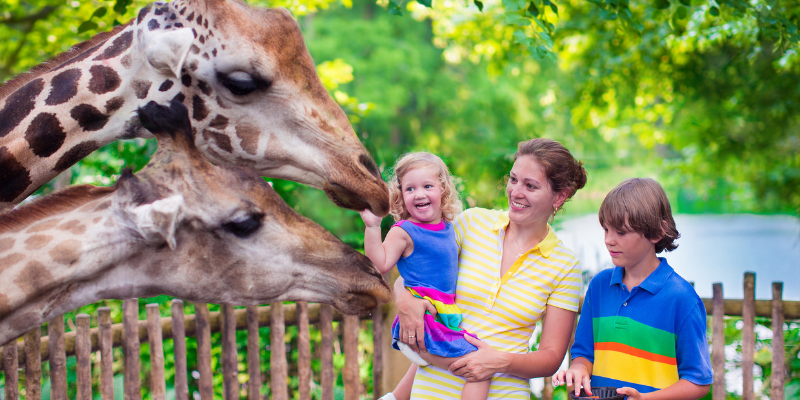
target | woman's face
x=530, y=197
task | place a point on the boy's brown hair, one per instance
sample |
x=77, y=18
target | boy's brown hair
x=644, y=204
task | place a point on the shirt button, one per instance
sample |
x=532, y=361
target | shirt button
x=625, y=304
x=508, y=273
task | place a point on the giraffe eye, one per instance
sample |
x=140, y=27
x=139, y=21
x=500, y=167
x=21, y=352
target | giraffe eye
x=241, y=83
x=244, y=227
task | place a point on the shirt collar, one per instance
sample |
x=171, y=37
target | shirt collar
x=545, y=247
x=653, y=283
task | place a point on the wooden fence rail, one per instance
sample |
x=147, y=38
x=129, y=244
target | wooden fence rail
x=33, y=350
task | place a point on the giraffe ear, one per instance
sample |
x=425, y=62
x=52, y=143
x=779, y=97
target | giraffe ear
x=166, y=50
x=156, y=222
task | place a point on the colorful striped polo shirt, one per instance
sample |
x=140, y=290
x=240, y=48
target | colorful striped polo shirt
x=646, y=338
x=502, y=310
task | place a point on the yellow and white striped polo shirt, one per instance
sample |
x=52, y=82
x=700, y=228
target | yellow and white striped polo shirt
x=502, y=310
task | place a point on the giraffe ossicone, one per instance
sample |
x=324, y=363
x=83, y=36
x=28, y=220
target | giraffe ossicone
x=244, y=73
x=182, y=227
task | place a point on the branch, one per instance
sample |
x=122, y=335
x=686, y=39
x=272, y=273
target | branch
x=41, y=14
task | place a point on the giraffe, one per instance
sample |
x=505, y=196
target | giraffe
x=244, y=73
x=182, y=227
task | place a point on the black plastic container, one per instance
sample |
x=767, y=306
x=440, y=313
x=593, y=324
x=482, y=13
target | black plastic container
x=602, y=393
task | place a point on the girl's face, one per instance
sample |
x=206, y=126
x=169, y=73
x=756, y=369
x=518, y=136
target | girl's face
x=530, y=197
x=422, y=195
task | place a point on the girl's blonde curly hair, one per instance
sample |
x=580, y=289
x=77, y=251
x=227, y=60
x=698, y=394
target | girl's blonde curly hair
x=451, y=204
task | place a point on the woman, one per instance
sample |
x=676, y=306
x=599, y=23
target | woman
x=512, y=268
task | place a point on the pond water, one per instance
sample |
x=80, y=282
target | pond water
x=712, y=248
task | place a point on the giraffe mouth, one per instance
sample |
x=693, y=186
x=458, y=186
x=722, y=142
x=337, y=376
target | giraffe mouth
x=345, y=198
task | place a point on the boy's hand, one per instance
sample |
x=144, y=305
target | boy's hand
x=370, y=220
x=574, y=377
x=632, y=393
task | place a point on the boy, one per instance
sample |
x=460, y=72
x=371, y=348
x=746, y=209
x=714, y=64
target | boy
x=642, y=327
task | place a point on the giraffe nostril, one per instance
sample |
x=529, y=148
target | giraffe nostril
x=370, y=165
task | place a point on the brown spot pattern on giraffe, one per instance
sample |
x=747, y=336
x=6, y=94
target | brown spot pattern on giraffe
x=44, y=225
x=223, y=141
x=104, y=79
x=73, y=226
x=76, y=154
x=114, y=104
x=66, y=252
x=203, y=86
x=141, y=88
x=45, y=135
x=4, y=307
x=102, y=206
x=89, y=117
x=19, y=104
x=9, y=261
x=63, y=87
x=36, y=242
x=249, y=138
x=166, y=85
x=6, y=244
x=118, y=46
x=186, y=80
x=219, y=122
x=14, y=177
x=34, y=277
x=199, y=109
x=126, y=61
x=153, y=24
x=142, y=13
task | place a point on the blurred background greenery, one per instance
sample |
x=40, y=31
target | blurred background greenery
x=702, y=95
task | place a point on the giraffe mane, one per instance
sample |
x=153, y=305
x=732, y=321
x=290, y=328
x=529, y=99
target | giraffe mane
x=20, y=80
x=55, y=203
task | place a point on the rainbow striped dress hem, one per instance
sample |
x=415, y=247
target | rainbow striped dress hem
x=443, y=336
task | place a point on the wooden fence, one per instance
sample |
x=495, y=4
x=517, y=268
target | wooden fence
x=83, y=341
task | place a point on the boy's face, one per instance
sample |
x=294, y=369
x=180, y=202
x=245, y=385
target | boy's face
x=628, y=248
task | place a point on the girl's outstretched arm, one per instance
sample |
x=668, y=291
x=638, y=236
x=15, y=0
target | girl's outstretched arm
x=383, y=255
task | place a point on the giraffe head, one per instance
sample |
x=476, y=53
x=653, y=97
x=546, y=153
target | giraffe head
x=256, y=98
x=232, y=239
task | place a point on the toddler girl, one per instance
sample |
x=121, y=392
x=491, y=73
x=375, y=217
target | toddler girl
x=422, y=244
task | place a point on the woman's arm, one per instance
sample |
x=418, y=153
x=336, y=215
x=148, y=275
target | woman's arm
x=486, y=361
x=410, y=312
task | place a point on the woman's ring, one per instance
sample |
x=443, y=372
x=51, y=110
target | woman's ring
x=411, y=336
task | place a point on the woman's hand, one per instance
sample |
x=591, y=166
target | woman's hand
x=411, y=313
x=481, y=364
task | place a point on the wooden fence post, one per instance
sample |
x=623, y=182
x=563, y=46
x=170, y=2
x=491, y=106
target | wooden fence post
x=748, y=335
x=253, y=354
x=106, y=353
x=179, y=347
x=277, y=348
x=33, y=364
x=718, y=342
x=130, y=346
x=158, y=386
x=83, y=351
x=203, y=334
x=303, y=351
x=377, y=352
x=11, y=368
x=778, y=351
x=58, y=359
x=326, y=351
x=230, y=364
x=351, y=382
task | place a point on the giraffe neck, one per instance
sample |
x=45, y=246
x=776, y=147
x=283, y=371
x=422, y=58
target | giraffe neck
x=78, y=102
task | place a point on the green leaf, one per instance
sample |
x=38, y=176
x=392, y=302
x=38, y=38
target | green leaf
x=121, y=6
x=533, y=10
x=681, y=13
x=521, y=37
x=100, y=12
x=662, y=4
x=87, y=26
x=546, y=39
x=554, y=7
x=514, y=5
x=714, y=11
x=479, y=4
x=426, y=3
x=687, y=3
x=394, y=8
x=516, y=19
x=608, y=15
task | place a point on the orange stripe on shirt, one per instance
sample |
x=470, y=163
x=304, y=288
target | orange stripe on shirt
x=622, y=348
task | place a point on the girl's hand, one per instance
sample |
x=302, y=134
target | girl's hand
x=370, y=220
x=411, y=313
x=632, y=393
x=479, y=365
